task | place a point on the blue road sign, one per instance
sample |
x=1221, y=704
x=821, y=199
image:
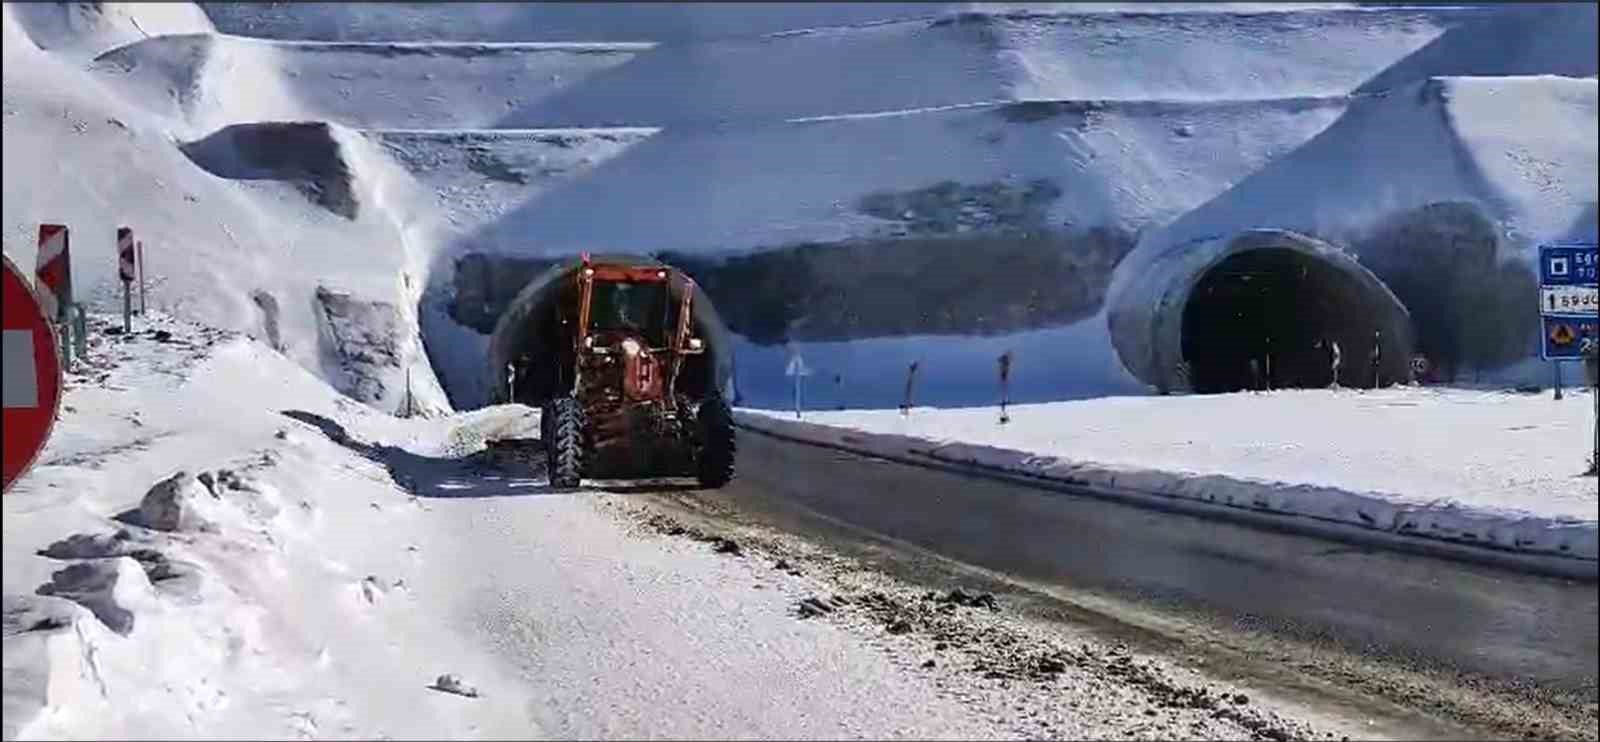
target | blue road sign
x=1567, y=264
x=1565, y=338
x=1569, y=316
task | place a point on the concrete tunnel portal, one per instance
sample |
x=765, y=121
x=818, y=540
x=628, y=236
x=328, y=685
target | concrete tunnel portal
x=527, y=349
x=1259, y=309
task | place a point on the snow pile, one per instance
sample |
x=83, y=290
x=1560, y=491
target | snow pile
x=240, y=610
x=1507, y=475
x=314, y=568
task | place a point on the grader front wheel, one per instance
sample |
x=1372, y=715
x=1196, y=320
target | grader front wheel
x=564, y=443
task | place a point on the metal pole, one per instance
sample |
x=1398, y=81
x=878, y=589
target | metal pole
x=911, y=380
x=64, y=339
x=1556, y=366
x=140, y=253
x=797, y=396
x=80, y=331
x=127, y=307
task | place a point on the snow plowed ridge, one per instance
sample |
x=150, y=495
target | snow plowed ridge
x=1114, y=166
x=361, y=85
x=1499, y=143
x=1206, y=55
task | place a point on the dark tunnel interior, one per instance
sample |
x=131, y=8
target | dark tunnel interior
x=1263, y=318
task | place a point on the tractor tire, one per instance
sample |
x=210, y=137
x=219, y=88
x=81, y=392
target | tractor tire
x=717, y=443
x=564, y=446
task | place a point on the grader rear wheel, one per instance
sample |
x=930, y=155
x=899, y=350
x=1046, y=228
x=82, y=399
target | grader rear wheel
x=718, y=445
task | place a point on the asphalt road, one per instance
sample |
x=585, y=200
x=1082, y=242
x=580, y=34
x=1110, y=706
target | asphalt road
x=1423, y=611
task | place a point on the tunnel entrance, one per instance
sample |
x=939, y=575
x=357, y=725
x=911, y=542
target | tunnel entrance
x=1264, y=318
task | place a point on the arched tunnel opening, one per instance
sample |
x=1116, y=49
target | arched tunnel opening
x=1273, y=317
x=1263, y=308
x=531, y=352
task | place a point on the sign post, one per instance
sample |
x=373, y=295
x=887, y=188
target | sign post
x=797, y=370
x=1569, y=311
x=1569, y=299
x=32, y=376
x=126, y=265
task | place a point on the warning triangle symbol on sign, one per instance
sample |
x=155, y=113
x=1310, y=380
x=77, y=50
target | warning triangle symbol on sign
x=1561, y=334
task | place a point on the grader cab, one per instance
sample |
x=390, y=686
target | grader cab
x=620, y=408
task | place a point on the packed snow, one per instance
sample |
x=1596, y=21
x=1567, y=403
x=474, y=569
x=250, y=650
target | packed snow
x=333, y=562
x=1506, y=467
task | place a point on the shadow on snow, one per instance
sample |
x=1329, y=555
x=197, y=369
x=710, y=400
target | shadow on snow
x=470, y=476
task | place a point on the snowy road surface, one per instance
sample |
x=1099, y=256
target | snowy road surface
x=622, y=638
x=1472, y=619
x=331, y=562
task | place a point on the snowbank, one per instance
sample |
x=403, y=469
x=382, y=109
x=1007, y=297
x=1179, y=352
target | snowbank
x=1506, y=476
x=350, y=558
x=247, y=255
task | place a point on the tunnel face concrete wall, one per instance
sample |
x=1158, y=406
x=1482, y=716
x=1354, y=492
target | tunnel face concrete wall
x=515, y=332
x=1146, y=315
x=1469, y=299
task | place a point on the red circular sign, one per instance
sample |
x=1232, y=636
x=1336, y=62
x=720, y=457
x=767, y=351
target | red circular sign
x=32, y=375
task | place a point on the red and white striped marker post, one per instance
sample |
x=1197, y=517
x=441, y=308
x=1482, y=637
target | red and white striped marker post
x=126, y=268
x=53, y=283
x=54, y=271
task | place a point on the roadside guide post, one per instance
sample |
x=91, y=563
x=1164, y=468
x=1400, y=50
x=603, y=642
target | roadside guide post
x=1569, y=309
x=797, y=370
x=32, y=375
x=139, y=253
x=53, y=281
x=911, y=381
x=1005, y=386
x=125, y=270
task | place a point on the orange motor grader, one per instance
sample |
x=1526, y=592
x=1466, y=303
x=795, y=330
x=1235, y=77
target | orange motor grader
x=620, y=409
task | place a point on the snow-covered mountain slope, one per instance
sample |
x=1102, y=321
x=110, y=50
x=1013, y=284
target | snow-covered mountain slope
x=831, y=179
x=249, y=254
x=822, y=149
x=81, y=30
x=509, y=21
x=364, y=85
